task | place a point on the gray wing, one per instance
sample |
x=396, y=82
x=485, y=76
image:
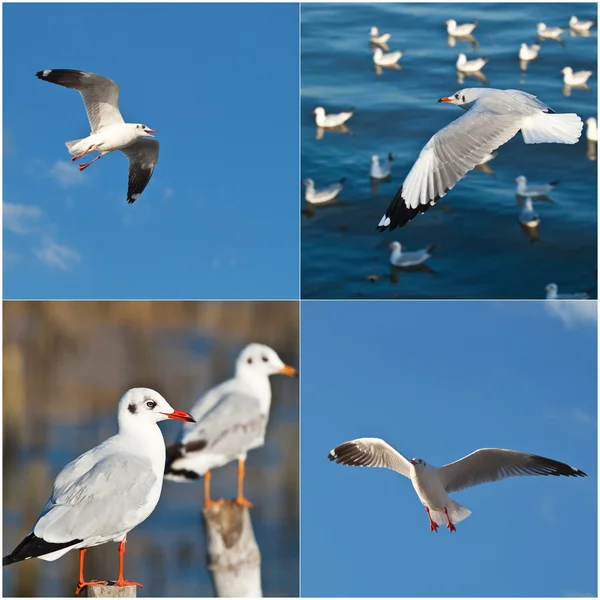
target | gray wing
x=100, y=94
x=370, y=452
x=143, y=156
x=103, y=501
x=494, y=464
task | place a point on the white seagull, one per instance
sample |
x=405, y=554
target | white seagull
x=548, y=32
x=459, y=30
x=109, y=130
x=533, y=191
x=493, y=117
x=381, y=170
x=580, y=26
x=529, y=52
x=470, y=66
x=382, y=59
x=433, y=484
x=378, y=38
x=331, y=120
x=231, y=420
x=106, y=492
x=552, y=294
x=401, y=259
x=592, y=129
x=323, y=195
x=575, y=78
x=528, y=217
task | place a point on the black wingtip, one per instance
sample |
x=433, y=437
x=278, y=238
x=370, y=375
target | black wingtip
x=555, y=182
x=32, y=547
x=399, y=214
x=331, y=455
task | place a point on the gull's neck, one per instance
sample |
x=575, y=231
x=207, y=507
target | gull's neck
x=258, y=382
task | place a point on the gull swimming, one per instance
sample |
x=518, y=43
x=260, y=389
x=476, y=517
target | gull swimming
x=528, y=216
x=552, y=294
x=398, y=258
x=575, y=78
x=106, y=492
x=592, y=129
x=378, y=38
x=109, y=132
x=387, y=59
x=548, y=32
x=231, y=420
x=470, y=66
x=533, y=191
x=323, y=195
x=381, y=170
x=459, y=30
x=433, y=484
x=332, y=119
x=529, y=52
x=580, y=26
x=493, y=117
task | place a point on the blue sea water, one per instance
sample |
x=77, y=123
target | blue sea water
x=481, y=249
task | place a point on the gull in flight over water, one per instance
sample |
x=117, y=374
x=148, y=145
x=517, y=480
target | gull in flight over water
x=492, y=118
x=433, y=484
x=109, y=130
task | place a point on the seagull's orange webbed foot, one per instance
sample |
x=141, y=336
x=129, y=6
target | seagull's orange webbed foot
x=123, y=583
x=450, y=524
x=433, y=526
x=82, y=167
x=82, y=154
x=83, y=584
x=211, y=503
x=242, y=501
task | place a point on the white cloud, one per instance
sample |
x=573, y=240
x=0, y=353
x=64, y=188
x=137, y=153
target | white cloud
x=574, y=312
x=57, y=255
x=168, y=193
x=66, y=174
x=21, y=218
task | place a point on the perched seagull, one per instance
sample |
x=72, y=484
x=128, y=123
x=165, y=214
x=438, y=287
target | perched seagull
x=331, y=120
x=575, y=78
x=433, y=484
x=408, y=259
x=579, y=26
x=470, y=66
x=486, y=159
x=529, y=52
x=548, y=32
x=592, y=129
x=106, y=492
x=459, y=30
x=326, y=194
x=493, y=117
x=533, y=191
x=376, y=38
x=552, y=294
x=231, y=419
x=109, y=130
x=386, y=60
x=381, y=170
x=528, y=216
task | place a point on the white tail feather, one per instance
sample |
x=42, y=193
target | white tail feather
x=70, y=145
x=456, y=511
x=548, y=128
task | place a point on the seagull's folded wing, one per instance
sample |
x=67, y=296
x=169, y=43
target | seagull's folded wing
x=494, y=464
x=370, y=452
x=143, y=156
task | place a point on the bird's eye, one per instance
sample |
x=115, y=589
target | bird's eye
x=265, y=359
x=463, y=98
x=249, y=361
x=150, y=404
x=456, y=96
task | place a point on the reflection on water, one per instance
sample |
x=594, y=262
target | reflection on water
x=66, y=366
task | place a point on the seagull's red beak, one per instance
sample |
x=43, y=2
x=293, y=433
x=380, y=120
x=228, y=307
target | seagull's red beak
x=445, y=99
x=151, y=131
x=180, y=415
x=412, y=462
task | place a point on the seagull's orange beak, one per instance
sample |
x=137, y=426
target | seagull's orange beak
x=151, y=131
x=180, y=415
x=289, y=371
x=445, y=99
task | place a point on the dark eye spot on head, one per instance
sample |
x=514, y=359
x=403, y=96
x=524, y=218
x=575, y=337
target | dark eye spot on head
x=249, y=361
x=150, y=404
x=265, y=359
x=132, y=408
x=456, y=96
x=463, y=98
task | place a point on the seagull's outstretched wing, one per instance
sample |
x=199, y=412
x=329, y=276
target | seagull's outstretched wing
x=494, y=464
x=100, y=94
x=370, y=452
x=143, y=156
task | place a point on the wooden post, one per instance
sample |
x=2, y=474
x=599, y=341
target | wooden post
x=233, y=554
x=109, y=591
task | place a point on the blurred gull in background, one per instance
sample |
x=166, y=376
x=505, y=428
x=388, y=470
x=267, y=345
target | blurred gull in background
x=529, y=52
x=376, y=38
x=331, y=120
x=528, y=216
x=551, y=33
x=459, y=30
x=552, y=294
x=575, y=79
x=533, y=191
x=323, y=195
x=381, y=170
x=470, y=66
x=386, y=60
x=580, y=26
x=398, y=258
x=592, y=129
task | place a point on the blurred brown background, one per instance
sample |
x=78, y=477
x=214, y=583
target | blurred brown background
x=66, y=364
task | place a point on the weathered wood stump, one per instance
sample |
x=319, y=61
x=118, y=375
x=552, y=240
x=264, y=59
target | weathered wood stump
x=109, y=591
x=233, y=554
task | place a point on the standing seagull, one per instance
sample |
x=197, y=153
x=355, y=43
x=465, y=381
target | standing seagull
x=106, y=492
x=231, y=420
x=433, y=484
x=493, y=117
x=109, y=130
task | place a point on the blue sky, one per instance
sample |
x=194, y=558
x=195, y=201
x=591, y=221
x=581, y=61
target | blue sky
x=438, y=380
x=219, y=219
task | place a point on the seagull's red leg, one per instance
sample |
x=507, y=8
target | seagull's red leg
x=433, y=526
x=86, y=165
x=241, y=500
x=120, y=581
x=82, y=582
x=450, y=525
x=207, y=500
x=82, y=154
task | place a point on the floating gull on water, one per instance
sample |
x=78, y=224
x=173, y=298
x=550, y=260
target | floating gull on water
x=378, y=38
x=433, y=484
x=529, y=52
x=323, y=195
x=470, y=66
x=381, y=170
x=528, y=216
x=552, y=294
x=459, y=30
x=580, y=26
x=592, y=129
x=330, y=120
x=398, y=258
x=231, y=420
x=109, y=130
x=548, y=32
x=577, y=78
x=493, y=117
x=533, y=191
x=386, y=60
x=106, y=492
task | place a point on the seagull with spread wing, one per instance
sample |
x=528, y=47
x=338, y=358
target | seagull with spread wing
x=433, y=484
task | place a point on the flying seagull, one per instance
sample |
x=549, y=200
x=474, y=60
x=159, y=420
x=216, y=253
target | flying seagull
x=433, y=484
x=231, y=420
x=493, y=117
x=106, y=492
x=109, y=130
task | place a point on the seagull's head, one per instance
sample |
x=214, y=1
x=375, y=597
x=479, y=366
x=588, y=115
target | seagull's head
x=573, y=20
x=551, y=290
x=258, y=359
x=375, y=158
x=395, y=246
x=450, y=23
x=145, y=131
x=567, y=71
x=308, y=182
x=541, y=26
x=591, y=122
x=464, y=98
x=374, y=31
x=521, y=179
x=143, y=405
x=418, y=464
x=319, y=111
